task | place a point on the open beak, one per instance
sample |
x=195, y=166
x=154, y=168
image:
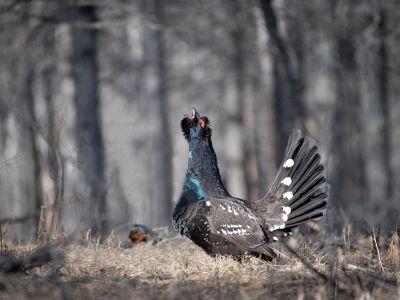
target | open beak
x=195, y=114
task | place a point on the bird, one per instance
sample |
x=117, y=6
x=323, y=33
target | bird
x=221, y=224
x=142, y=233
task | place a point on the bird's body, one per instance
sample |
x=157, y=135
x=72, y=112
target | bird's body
x=142, y=233
x=221, y=224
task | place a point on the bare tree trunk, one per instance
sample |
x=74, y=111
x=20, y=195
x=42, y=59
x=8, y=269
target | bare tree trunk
x=288, y=104
x=348, y=179
x=32, y=127
x=383, y=87
x=392, y=215
x=295, y=48
x=55, y=159
x=4, y=113
x=245, y=96
x=376, y=107
x=268, y=158
x=157, y=211
x=29, y=191
x=89, y=139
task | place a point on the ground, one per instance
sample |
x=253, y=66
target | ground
x=177, y=269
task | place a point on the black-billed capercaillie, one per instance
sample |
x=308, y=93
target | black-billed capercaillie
x=222, y=224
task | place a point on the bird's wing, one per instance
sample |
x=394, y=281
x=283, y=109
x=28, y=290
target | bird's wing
x=183, y=213
x=231, y=219
x=298, y=192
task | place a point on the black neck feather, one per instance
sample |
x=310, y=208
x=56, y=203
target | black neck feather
x=203, y=164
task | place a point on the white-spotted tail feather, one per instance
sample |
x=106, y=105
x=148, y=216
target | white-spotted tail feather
x=298, y=193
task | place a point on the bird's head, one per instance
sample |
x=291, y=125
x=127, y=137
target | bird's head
x=196, y=126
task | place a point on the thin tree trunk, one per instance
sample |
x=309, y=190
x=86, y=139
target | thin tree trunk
x=29, y=191
x=89, y=139
x=165, y=207
x=157, y=212
x=383, y=87
x=288, y=104
x=268, y=158
x=376, y=110
x=245, y=97
x=348, y=179
x=32, y=128
x=54, y=156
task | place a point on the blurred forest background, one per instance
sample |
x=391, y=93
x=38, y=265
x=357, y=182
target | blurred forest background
x=92, y=94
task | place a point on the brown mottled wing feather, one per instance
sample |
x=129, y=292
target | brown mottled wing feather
x=231, y=219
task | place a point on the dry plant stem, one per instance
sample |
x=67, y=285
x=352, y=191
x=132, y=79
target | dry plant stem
x=346, y=238
x=394, y=251
x=377, y=249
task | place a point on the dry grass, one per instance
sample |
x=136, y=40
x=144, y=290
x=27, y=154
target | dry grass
x=177, y=269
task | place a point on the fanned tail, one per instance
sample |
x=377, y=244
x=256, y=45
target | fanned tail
x=299, y=192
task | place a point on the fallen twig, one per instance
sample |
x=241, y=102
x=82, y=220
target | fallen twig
x=351, y=267
x=42, y=256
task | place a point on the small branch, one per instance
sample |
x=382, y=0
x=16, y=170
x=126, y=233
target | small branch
x=42, y=256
